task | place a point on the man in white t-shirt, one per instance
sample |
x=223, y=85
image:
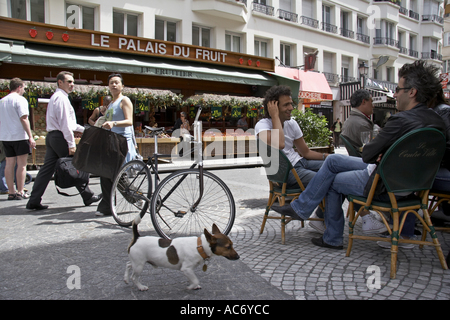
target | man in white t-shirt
x=278, y=106
x=282, y=132
x=16, y=135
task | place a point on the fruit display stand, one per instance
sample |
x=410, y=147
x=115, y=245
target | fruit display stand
x=229, y=146
x=37, y=156
x=146, y=146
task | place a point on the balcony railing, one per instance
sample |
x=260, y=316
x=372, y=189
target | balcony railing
x=413, y=53
x=386, y=41
x=286, y=15
x=347, y=78
x=363, y=38
x=347, y=33
x=268, y=10
x=331, y=77
x=432, y=55
x=309, y=22
x=432, y=17
x=414, y=15
x=403, y=10
x=329, y=27
x=403, y=50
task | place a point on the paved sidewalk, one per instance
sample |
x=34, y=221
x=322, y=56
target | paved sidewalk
x=38, y=250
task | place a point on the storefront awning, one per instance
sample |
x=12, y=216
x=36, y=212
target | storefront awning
x=33, y=54
x=313, y=85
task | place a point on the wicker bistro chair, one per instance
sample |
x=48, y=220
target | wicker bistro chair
x=436, y=197
x=278, y=167
x=350, y=148
x=410, y=165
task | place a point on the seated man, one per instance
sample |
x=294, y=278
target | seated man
x=342, y=175
x=278, y=130
x=359, y=119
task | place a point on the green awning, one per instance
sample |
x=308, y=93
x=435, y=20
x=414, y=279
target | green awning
x=33, y=54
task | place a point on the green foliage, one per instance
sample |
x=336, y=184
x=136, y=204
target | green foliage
x=314, y=127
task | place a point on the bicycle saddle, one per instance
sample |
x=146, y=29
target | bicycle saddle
x=154, y=130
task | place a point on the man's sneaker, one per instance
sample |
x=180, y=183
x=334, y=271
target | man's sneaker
x=387, y=245
x=319, y=226
x=370, y=225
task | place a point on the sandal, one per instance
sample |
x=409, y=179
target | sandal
x=16, y=196
x=24, y=195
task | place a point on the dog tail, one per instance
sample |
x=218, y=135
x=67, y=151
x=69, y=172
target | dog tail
x=136, y=234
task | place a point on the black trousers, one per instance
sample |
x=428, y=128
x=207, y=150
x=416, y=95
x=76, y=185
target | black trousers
x=105, y=204
x=57, y=147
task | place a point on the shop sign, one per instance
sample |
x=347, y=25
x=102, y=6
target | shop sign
x=236, y=112
x=90, y=104
x=17, y=29
x=252, y=113
x=142, y=105
x=216, y=112
x=4, y=93
x=32, y=100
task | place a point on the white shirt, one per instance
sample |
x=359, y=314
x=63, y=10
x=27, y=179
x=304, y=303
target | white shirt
x=292, y=132
x=61, y=116
x=12, y=108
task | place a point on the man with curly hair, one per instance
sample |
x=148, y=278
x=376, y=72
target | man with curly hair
x=278, y=130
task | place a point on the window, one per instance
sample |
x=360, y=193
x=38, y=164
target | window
x=308, y=8
x=31, y=10
x=80, y=17
x=260, y=48
x=446, y=39
x=125, y=23
x=285, y=54
x=201, y=36
x=233, y=42
x=165, y=30
x=326, y=14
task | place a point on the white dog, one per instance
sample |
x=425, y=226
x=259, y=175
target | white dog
x=181, y=253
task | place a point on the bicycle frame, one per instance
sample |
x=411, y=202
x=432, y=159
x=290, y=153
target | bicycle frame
x=199, y=160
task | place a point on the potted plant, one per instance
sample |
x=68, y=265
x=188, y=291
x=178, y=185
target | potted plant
x=315, y=130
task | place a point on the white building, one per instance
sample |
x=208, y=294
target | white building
x=382, y=34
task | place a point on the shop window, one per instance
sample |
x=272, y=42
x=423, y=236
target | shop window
x=31, y=10
x=201, y=36
x=80, y=17
x=125, y=23
x=165, y=30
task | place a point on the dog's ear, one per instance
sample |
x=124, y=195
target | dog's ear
x=215, y=229
x=208, y=236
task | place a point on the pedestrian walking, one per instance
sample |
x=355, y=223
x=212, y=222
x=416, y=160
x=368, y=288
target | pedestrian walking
x=60, y=141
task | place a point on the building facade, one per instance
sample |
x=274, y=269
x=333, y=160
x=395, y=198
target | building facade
x=382, y=35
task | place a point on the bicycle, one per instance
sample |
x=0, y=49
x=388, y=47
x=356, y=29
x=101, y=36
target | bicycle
x=183, y=204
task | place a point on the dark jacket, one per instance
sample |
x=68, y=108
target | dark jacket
x=399, y=124
x=444, y=111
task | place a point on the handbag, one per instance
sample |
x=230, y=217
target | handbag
x=67, y=176
x=100, y=152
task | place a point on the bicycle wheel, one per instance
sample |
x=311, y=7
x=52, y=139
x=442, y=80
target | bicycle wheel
x=131, y=186
x=171, y=206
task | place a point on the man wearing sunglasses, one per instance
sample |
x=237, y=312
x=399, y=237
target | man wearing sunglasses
x=342, y=175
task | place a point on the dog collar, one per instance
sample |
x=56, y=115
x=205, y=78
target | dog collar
x=200, y=249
